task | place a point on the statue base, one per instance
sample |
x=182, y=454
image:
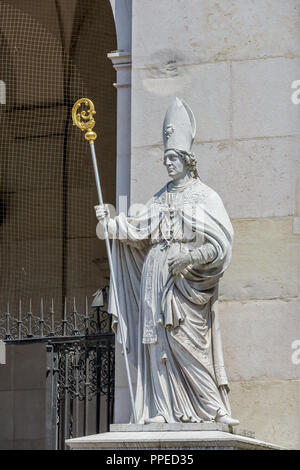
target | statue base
x=173, y=436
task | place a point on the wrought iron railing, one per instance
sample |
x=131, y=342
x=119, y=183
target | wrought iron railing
x=29, y=327
x=80, y=354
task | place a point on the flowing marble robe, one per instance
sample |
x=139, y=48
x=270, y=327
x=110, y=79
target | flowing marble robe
x=171, y=322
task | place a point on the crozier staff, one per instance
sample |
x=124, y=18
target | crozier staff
x=85, y=121
x=168, y=261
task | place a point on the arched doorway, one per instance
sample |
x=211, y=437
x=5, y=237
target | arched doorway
x=53, y=53
x=58, y=53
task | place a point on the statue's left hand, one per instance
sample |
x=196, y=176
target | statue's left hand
x=178, y=264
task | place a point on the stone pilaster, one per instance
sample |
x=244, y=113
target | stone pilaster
x=121, y=61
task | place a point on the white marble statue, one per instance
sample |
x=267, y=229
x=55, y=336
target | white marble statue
x=168, y=260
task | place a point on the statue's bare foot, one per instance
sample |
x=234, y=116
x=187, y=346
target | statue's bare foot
x=227, y=420
x=155, y=419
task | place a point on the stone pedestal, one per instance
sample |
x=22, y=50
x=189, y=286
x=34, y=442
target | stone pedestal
x=177, y=436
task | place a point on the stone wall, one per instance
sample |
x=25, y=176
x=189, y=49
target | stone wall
x=234, y=63
x=22, y=398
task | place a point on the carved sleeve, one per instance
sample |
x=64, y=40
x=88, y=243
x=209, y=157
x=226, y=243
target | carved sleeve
x=114, y=232
x=112, y=228
x=203, y=255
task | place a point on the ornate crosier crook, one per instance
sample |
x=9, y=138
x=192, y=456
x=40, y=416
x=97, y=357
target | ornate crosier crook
x=86, y=122
x=85, y=119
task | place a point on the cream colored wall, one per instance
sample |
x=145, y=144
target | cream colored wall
x=234, y=63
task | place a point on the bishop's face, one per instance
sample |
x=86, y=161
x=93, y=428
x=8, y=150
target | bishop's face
x=175, y=165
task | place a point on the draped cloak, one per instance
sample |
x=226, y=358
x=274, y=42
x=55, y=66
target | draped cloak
x=171, y=323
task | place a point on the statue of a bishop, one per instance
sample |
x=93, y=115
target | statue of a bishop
x=168, y=260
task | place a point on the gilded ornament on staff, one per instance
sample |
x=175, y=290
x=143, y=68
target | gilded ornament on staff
x=85, y=119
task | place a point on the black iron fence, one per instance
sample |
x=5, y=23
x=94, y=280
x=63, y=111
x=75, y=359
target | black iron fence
x=80, y=357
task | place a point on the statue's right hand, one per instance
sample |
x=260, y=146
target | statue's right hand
x=102, y=213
